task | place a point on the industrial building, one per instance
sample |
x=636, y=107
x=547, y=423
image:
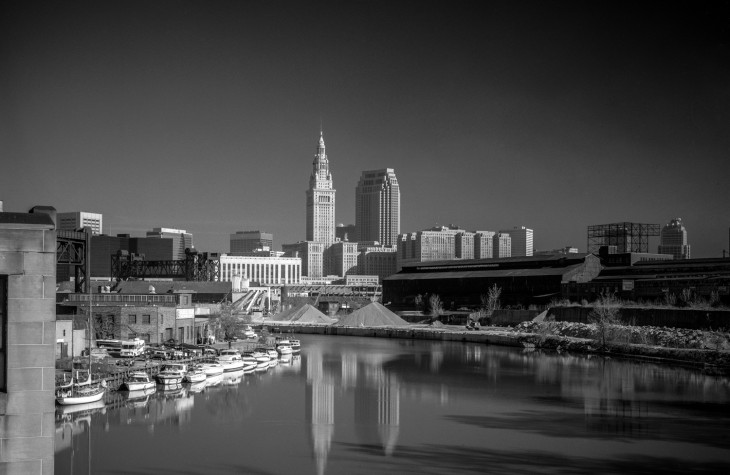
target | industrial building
x=524, y=280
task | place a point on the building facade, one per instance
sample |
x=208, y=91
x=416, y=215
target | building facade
x=248, y=241
x=74, y=220
x=341, y=258
x=377, y=207
x=501, y=245
x=321, y=199
x=261, y=270
x=345, y=232
x=673, y=240
x=374, y=259
x=435, y=244
x=181, y=240
x=311, y=255
x=464, y=245
x=483, y=244
x=521, y=239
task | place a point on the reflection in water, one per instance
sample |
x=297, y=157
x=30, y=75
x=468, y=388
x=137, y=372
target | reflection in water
x=373, y=405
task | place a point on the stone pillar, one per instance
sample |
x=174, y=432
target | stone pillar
x=28, y=278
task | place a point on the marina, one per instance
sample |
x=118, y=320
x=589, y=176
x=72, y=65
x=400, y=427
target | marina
x=368, y=405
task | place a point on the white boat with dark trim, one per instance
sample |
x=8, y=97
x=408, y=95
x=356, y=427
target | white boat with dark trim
x=249, y=362
x=172, y=374
x=230, y=360
x=283, y=346
x=211, y=368
x=296, y=345
x=138, y=381
x=195, y=374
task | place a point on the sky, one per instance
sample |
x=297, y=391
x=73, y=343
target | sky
x=205, y=115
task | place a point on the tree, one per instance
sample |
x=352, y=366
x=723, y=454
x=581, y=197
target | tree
x=436, y=307
x=490, y=303
x=605, y=315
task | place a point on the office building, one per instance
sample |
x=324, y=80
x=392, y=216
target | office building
x=181, y=240
x=321, y=200
x=311, y=254
x=464, y=243
x=74, y=220
x=261, y=270
x=435, y=244
x=521, y=238
x=247, y=241
x=341, y=259
x=375, y=259
x=673, y=240
x=377, y=207
x=501, y=246
x=483, y=244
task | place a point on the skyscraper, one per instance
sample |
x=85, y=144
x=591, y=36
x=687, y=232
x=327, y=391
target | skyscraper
x=377, y=207
x=673, y=240
x=321, y=199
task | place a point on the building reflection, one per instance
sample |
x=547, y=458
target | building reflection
x=319, y=408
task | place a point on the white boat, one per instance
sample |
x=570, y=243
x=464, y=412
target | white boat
x=80, y=392
x=260, y=356
x=230, y=360
x=283, y=346
x=172, y=374
x=296, y=346
x=137, y=381
x=273, y=354
x=195, y=374
x=249, y=362
x=211, y=368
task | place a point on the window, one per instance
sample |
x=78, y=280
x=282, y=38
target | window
x=132, y=319
x=145, y=319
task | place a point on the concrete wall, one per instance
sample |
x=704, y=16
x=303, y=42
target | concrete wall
x=27, y=408
x=660, y=317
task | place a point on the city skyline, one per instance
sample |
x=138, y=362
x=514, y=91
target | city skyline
x=202, y=118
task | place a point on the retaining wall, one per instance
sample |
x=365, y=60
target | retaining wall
x=660, y=317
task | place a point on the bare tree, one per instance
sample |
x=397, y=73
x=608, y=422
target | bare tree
x=490, y=303
x=436, y=307
x=605, y=315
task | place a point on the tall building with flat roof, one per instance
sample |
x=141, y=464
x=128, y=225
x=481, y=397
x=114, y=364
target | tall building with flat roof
x=377, y=207
x=521, y=238
x=181, y=240
x=501, y=245
x=248, y=241
x=321, y=199
x=483, y=244
x=312, y=256
x=73, y=220
x=673, y=240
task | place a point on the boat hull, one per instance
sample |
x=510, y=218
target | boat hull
x=81, y=398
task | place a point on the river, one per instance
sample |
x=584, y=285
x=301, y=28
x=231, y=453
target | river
x=351, y=405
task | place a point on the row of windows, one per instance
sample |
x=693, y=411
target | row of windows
x=132, y=319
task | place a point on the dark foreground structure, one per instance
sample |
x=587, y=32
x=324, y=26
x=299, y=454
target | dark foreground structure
x=461, y=283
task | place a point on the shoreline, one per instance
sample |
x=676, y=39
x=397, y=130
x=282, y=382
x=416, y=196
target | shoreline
x=716, y=362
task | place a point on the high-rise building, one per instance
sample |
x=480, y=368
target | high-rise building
x=435, y=244
x=248, y=241
x=521, y=238
x=312, y=256
x=673, y=240
x=375, y=259
x=321, y=199
x=341, y=259
x=377, y=207
x=483, y=244
x=464, y=245
x=181, y=240
x=74, y=220
x=502, y=245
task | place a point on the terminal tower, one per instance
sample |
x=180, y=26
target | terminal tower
x=321, y=199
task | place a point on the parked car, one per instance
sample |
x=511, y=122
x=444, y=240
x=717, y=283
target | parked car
x=158, y=354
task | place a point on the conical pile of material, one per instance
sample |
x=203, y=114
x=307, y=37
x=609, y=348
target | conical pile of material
x=372, y=315
x=303, y=314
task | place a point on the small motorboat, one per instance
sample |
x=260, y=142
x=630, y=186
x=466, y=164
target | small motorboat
x=249, y=362
x=138, y=381
x=283, y=346
x=230, y=360
x=271, y=352
x=211, y=368
x=195, y=375
x=296, y=346
x=172, y=374
x=249, y=333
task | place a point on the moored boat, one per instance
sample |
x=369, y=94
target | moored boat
x=230, y=360
x=211, y=368
x=172, y=374
x=296, y=345
x=80, y=392
x=194, y=374
x=283, y=346
x=137, y=381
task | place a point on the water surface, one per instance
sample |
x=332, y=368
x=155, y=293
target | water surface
x=366, y=405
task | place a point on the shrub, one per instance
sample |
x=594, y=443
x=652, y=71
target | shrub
x=605, y=315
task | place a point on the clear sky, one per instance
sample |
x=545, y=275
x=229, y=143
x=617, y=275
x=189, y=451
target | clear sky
x=205, y=115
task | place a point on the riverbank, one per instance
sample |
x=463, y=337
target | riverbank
x=711, y=360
